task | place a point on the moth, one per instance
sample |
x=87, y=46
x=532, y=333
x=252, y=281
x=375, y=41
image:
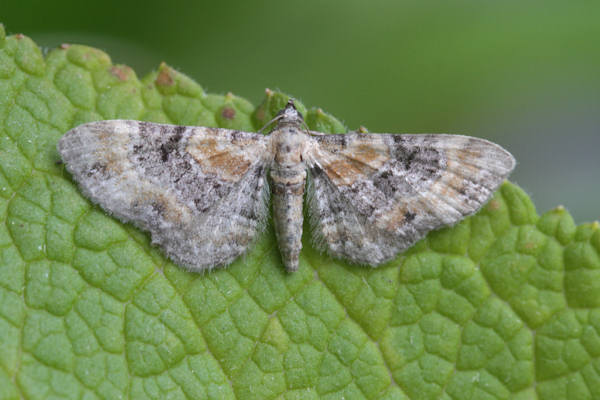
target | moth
x=203, y=193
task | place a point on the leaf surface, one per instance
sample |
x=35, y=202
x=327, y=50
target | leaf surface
x=504, y=305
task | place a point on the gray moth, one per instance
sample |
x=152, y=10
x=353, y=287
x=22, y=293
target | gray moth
x=203, y=193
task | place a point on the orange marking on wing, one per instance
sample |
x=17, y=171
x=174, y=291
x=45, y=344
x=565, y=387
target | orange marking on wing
x=452, y=186
x=396, y=218
x=235, y=166
x=343, y=171
x=355, y=162
x=109, y=161
x=170, y=210
x=367, y=154
x=219, y=160
x=466, y=158
x=114, y=164
x=105, y=137
x=468, y=154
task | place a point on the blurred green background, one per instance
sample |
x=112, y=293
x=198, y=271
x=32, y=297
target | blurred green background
x=525, y=74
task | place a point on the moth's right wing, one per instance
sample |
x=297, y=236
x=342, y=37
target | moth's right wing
x=201, y=192
x=374, y=195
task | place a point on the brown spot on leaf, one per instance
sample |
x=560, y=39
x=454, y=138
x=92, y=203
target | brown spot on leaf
x=121, y=72
x=164, y=78
x=19, y=36
x=493, y=205
x=260, y=113
x=65, y=46
x=228, y=113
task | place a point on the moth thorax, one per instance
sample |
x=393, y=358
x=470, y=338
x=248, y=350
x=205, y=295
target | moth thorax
x=289, y=146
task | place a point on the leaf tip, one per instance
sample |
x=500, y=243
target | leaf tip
x=87, y=57
x=165, y=76
x=321, y=121
x=122, y=72
x=522, y=210
x=170, y=81
x=558, y=223
x=27, y=55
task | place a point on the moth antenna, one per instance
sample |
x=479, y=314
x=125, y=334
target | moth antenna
x=308, y=132
x=277, y=118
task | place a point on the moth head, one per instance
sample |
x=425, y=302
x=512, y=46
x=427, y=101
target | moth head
x=289, y=114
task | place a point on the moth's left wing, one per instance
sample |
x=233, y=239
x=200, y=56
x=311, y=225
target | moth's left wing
x=201, y=192
x=374, y=195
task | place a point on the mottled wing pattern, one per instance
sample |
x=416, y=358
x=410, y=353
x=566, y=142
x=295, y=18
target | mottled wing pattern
x=374, y=195
x=201, y=192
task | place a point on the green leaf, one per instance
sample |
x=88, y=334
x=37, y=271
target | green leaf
x=504, y=305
